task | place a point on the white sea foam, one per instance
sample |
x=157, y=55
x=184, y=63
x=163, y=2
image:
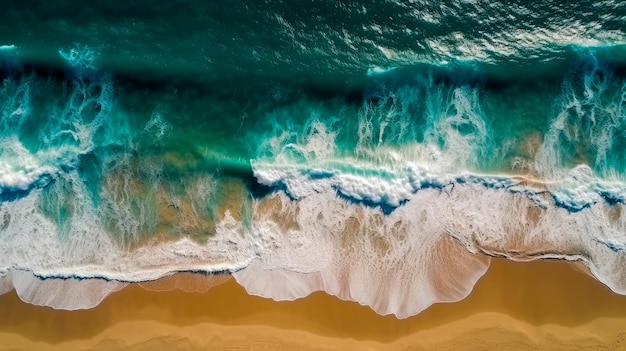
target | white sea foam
x=376, y=70
x=595, y=117
x=88, y=250
x=66, y=135
x=59, y=293
x=338, y=205
x=393, y=263
x=57, y=233
x=23, y=177
x=428, y=250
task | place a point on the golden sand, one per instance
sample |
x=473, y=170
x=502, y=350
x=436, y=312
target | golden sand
x=516, y=306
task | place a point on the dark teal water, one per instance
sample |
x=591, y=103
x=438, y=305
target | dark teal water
x=116, y=114
x=313, y=40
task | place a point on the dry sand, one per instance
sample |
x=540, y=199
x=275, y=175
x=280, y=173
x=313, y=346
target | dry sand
x=516, y=306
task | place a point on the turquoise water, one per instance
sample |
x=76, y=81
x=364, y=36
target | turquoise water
x=169, y=128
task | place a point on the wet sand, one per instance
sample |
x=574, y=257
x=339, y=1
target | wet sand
x=545, y=305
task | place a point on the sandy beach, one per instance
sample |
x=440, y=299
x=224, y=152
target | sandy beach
x=548, y=305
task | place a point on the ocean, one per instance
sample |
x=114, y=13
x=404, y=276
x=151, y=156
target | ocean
x=381, y=151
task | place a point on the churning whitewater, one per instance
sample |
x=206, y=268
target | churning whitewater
x=384, y=163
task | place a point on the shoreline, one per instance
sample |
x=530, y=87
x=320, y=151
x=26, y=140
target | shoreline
x=540, y=304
